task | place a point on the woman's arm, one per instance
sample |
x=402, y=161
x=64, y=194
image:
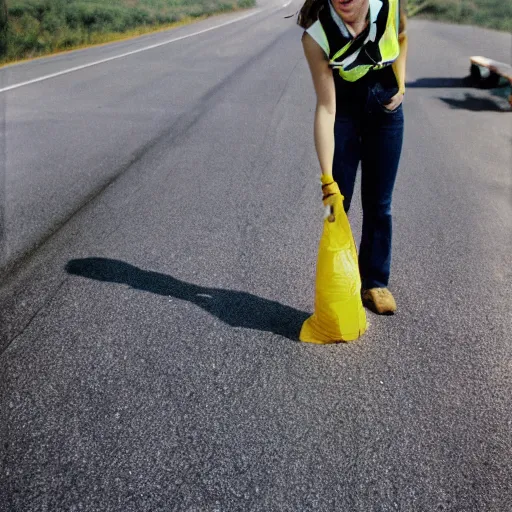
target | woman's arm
x=325, y=112
x=399, y=64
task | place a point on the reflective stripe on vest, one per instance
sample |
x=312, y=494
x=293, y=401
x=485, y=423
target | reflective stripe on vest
x=379, y=49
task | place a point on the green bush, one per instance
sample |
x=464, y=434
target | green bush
x=488, y=13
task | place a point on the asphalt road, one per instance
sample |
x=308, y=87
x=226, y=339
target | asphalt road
x=166, y=207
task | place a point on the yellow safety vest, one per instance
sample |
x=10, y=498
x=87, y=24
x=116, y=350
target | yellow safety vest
x=380, y=47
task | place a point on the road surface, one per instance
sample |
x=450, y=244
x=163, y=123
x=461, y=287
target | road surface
x=161, y=219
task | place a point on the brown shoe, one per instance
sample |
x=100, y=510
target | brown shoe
x=379, y=300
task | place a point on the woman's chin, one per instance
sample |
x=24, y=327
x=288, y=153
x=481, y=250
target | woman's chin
x=348, y=9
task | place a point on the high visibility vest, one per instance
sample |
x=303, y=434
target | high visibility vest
x=374, y=49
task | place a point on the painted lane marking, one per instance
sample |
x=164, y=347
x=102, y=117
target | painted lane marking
x=133, y=52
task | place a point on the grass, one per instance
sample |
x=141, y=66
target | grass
x=495, y=14
x=40, y=27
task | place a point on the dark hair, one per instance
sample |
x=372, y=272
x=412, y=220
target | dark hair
x=308, y=13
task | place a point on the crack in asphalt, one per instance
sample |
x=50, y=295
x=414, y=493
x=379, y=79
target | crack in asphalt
x=28, y=323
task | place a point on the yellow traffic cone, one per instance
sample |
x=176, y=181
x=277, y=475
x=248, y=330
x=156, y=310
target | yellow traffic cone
x=339, y=314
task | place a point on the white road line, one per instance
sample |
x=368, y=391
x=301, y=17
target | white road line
x=95, y=63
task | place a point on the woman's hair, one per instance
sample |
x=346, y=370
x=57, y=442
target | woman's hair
x=308, y=13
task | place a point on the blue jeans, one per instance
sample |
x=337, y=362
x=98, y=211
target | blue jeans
x=365, y=131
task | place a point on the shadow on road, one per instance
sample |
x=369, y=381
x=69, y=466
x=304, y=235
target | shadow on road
x=440, y=83
x=470, y=102
x=475, y=104
x=235, y=308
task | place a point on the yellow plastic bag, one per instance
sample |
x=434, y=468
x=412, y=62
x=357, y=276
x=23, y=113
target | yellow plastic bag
x=339, y=314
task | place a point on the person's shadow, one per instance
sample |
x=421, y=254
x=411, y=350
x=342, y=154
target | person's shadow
x=239, y=309
x=476, y=104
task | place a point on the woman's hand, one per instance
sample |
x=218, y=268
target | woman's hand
x=395, y=102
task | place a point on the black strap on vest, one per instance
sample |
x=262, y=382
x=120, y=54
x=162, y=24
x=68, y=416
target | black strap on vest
x=334, y=36
x=371, y=49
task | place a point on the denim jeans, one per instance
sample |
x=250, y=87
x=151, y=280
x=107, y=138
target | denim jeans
x=365, y=131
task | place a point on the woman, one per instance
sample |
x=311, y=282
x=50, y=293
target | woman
x=356, y=51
